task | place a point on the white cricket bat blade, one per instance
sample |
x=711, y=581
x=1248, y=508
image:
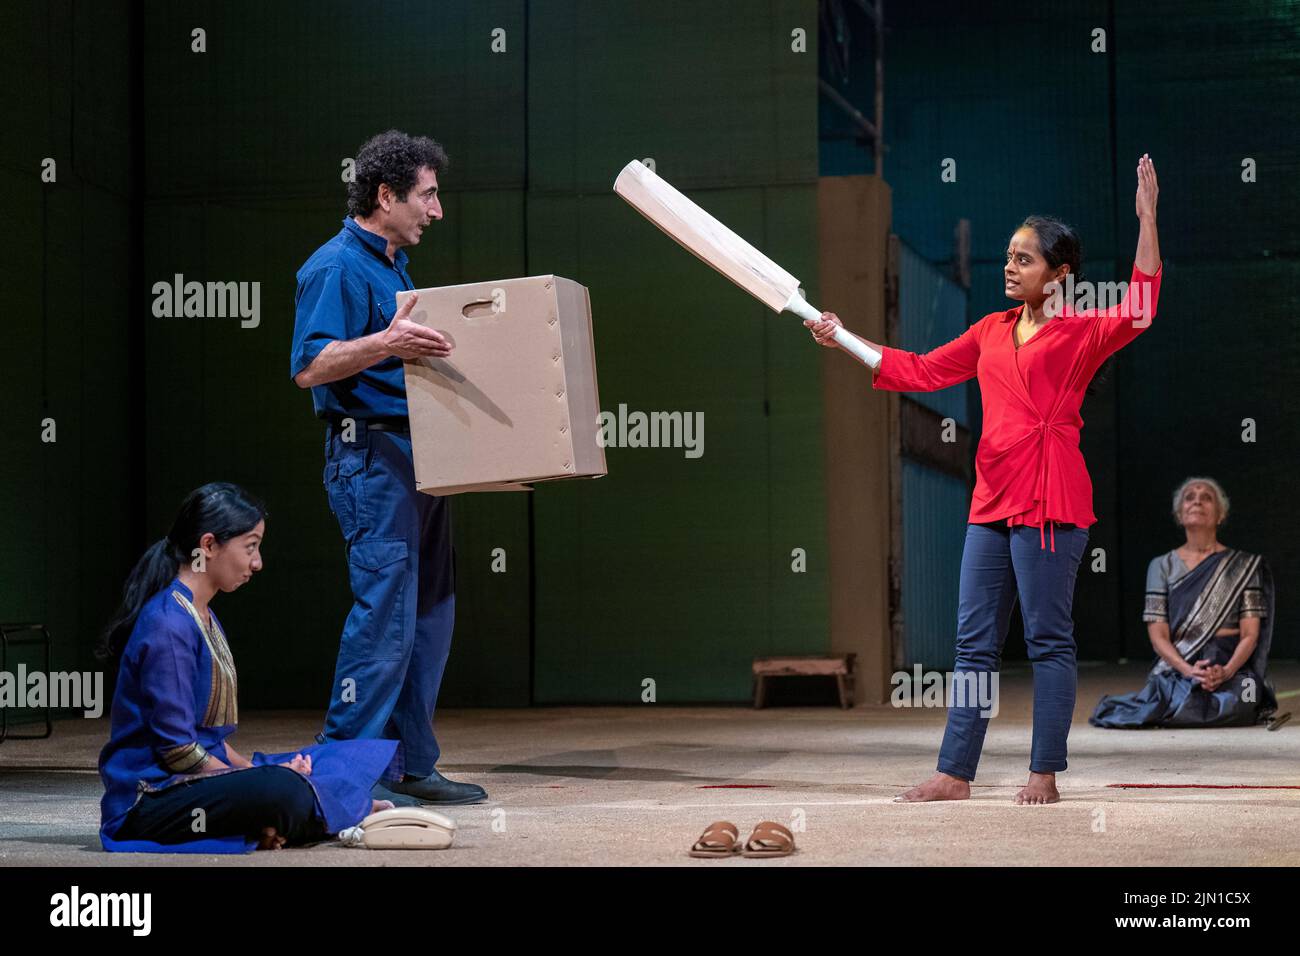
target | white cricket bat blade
x=703, y=235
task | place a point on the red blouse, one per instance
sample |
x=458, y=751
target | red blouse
x=1028, y=468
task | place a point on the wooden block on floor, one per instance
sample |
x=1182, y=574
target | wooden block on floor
x=839, y=666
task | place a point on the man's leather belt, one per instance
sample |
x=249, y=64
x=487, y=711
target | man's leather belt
x=379, y=424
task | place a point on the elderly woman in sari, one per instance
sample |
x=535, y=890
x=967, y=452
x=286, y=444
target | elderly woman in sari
x=1209, y=614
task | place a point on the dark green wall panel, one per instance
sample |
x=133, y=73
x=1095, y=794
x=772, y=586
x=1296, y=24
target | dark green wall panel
x=672, y=568
x=285, y=91
x=65, y=515
x=712, y=92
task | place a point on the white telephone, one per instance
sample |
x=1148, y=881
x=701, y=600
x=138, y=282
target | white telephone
x=402, y=828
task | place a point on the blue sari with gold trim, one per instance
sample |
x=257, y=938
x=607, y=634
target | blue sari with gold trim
x=1215, y=594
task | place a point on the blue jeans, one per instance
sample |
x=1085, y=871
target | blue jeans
x=401, y=565
x=998, y=566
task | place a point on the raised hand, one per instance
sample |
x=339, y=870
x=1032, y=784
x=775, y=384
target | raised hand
x=1148, y=188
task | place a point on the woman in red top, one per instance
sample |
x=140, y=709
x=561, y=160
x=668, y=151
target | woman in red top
x=1033, y=364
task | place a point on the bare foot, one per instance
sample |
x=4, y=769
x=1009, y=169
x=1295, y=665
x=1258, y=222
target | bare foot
x=1041, y=788
x=377, y=805
x=941, y=786
x=271, y=840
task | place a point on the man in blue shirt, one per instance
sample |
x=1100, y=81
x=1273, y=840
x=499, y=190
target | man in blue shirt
x=349, y=340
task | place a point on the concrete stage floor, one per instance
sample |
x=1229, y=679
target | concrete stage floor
x=634, y=785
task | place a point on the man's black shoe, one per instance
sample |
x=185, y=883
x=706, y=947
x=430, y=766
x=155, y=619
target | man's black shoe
x=438, y=790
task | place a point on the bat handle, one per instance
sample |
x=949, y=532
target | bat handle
x=846, y=340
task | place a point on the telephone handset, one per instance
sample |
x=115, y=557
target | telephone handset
x=402, y=828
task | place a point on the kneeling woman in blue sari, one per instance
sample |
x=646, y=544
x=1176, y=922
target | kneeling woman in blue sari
x=1209, y=614
x=172, y=781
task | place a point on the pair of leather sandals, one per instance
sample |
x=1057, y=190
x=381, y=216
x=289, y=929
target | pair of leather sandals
x=722, y=839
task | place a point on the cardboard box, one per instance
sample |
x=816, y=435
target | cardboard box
x=516, y=402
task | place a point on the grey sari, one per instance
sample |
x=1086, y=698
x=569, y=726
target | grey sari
x=1217, y=593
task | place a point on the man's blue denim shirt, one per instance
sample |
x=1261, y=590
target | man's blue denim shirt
x=346, y=290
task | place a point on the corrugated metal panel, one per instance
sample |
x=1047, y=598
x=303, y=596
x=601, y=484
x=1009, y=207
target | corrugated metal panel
x=935, y=507
x=931, y=311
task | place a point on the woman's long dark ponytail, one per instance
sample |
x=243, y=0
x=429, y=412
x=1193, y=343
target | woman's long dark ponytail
x=226, y=510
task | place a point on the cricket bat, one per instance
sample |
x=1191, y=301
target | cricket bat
x=725, y=251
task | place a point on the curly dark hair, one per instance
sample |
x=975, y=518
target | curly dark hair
x=395, y=158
